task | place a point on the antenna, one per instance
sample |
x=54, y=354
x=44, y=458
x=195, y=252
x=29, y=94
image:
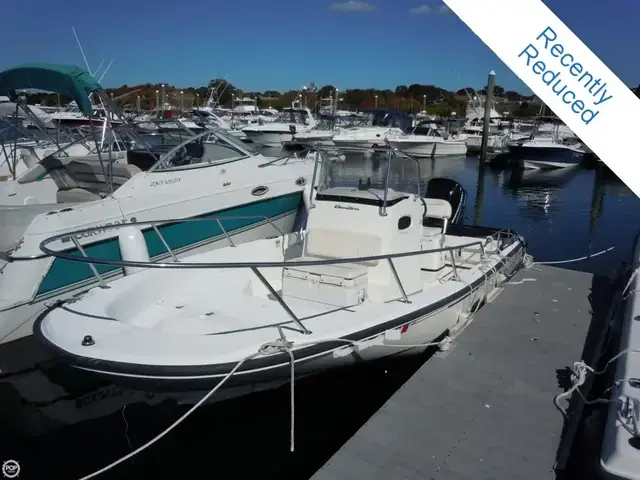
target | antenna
x=81, y=51
x=105, y=71
x=99, y=67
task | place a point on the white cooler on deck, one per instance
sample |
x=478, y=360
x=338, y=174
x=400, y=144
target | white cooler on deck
x=341, y=285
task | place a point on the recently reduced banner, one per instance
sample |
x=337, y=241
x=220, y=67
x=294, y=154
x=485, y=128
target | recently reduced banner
x=563, y=73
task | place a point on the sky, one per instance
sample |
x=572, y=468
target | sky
x=283, y=44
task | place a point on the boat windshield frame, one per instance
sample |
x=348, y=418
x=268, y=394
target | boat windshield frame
x=228, y=140
x=392, y=155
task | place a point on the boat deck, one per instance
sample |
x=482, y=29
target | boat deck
x=484, y=409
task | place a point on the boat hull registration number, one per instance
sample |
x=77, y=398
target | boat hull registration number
x=169, y=181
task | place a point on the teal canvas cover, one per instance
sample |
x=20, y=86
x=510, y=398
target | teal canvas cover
x=67, y=80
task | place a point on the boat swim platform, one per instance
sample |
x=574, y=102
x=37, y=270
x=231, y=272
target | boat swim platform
x=484, y=408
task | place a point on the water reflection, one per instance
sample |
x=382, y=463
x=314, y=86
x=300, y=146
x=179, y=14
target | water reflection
x=537, y=191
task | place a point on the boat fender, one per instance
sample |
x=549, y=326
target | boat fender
x=133, y=248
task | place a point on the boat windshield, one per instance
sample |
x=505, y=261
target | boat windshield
x=387, y=118
x=377, y=171
x=212, y=147
x=293, y=116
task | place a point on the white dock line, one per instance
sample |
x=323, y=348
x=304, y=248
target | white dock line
x=586, y=257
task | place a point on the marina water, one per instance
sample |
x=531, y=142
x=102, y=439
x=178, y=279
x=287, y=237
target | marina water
x=563, y=214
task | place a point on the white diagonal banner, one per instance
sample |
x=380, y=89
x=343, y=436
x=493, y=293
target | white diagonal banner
x=564, y=73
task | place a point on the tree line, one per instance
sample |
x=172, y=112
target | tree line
x=411, y=98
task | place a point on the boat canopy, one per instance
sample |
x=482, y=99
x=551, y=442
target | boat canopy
x=67, y=80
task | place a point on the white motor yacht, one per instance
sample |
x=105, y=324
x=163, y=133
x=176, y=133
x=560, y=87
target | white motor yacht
x=291, y=121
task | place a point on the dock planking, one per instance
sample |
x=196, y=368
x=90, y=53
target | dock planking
x=484, y=409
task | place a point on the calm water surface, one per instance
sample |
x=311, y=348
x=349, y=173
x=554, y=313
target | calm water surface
x=562, y=214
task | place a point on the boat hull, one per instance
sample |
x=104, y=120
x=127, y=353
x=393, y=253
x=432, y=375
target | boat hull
x=358, y=143
x=620, y=453
x=268, y=139
x=421, y=326
x=430, y=150
x=44, y=397
x=547, y=157
x=474, y=144
x=313, y=140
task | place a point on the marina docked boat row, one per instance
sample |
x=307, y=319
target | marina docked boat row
x=174, y=255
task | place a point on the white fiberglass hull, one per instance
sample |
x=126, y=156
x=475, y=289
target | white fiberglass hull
x=426, y=149
x=474, y=143
x=197, y=360
x=358, y=142
x=40, y=402
x=620, y=454
x=268, y=139
x=314, y=139
x=13, y=193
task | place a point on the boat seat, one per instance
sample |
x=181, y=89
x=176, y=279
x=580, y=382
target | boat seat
x=347, y=271
x=82, y=181
x=330, y=243
x=76, y=195
x=437, y=211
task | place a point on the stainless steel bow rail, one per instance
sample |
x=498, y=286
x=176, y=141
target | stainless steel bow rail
x=253, y=266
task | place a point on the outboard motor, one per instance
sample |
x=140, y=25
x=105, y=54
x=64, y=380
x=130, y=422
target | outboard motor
x=451, y=191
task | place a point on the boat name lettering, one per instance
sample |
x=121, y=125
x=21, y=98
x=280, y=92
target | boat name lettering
x=99, y=230
x=98, y=395
x=348, y=207
x=169, y=181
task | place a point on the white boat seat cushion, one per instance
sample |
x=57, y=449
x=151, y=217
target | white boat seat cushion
x=437, y=208
x=329, y=243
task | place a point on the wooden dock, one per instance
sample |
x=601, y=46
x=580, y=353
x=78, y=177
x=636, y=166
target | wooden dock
x=484, y=409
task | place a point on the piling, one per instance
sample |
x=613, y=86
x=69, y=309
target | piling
x=479, y=203
x=162, y=100
x=158, y=103
x=487, y=115
x=138, y=103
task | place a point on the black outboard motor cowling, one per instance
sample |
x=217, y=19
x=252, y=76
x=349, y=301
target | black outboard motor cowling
x=451, y=191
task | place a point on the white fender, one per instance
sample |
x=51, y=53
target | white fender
x=133, y=248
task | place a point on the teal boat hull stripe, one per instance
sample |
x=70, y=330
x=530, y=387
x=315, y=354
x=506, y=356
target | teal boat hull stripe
x=179, y=236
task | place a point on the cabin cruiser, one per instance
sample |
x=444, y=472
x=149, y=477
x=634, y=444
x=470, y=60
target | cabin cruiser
x=28, y=173
x=551, y=145
x=290, y=122
x=426, y=140
x=376, y=125
x=323, y=132
x=375, y=271
x=194, y=182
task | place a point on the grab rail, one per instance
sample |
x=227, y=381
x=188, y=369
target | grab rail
x=253, y=266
